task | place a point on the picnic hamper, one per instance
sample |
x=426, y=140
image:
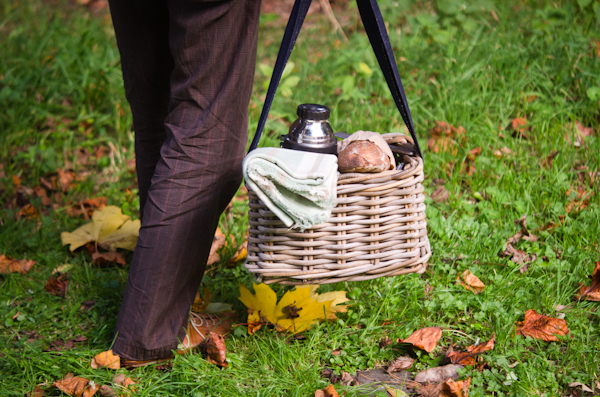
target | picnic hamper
x=378, y=227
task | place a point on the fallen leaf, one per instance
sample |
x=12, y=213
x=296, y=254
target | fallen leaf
x=109, y=228
x=518, y=256
x=470, y=282
x=438, y=374
x=240, y=254
x=102, y=259
x=591, y=293
x=10, y=265
x=87, y=305
x=106, y=359
x=64, y=268
x=468, y=358
x=518, y=125
x=440, y=195
x=400, y=364
x=330, y=391
x=547, y=163
x=123, y=381
x=200, y=304
x=16, y=180
x=502, y=152
x=86, y=208
x=107, y=391
x=576, y=133
x=542, y=327
x=57, y=285
x=444, y=138
x=430, y=390
x=583, y=387
x=38, y=391
x=450, y=388
x=216, y=350
x=580, y=202
x=27, y=212
x=469, y=164
x=65, y=179
x=385, y=342
x=425, y=338
x=296, y=311
x=76, y=386
x=218, y=242
x=524, y=233
x=395, y=392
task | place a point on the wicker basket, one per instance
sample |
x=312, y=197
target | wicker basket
x=377, y=229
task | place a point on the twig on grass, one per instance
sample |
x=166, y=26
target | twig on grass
x=326, y=7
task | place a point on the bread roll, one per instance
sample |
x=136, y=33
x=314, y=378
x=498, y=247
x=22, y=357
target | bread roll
x=363, y=156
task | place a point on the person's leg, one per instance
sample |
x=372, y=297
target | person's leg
x=213, y=44
x=142, y=31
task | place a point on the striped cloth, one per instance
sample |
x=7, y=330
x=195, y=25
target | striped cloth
x=299, y=187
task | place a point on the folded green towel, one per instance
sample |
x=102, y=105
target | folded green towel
x=299, y=187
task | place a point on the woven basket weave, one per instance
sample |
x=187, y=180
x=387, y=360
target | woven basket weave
x=377, y=229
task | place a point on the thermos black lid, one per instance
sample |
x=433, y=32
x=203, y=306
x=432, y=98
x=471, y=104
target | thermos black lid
x=312, y=111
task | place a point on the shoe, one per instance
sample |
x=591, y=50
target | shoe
x=199, y=325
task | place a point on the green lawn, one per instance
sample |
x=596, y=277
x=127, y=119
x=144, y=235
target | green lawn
x=478, y=64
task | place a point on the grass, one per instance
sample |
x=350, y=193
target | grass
x=61, y=91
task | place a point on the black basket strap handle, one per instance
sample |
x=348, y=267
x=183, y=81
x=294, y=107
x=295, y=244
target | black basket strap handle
x=378, y=36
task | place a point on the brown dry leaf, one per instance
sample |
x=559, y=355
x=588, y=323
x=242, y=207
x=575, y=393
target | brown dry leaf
x=27, y=212
x=438, y=374
x=440, y=194
x=468, y=358
x=216, y=350
x=502, y=152
x=459, y=388
x=200, y=304
x=444, y=138
x=16, y=180
x=576, y=133
x=542, y=327
x=330, y=391
x=518, y=125
x=430, y=390
x=38, y=391
x=57, y=285
x=547, y=163
x=400, y=364
x=470, y=282
x=65, y=179
x=107, y=391
x=76, y=386
x=425, y=338
x=218, y=242
x=519, y=257
x=106, y=360
x=591, y=293
x=10, y=265
x=581, y=202
x=86, y=208
x=469, y=164
x=524, y=233
x=253, y=328
x=240, y=254
x=102, y=259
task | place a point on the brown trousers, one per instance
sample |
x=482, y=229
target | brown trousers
x=188, y=67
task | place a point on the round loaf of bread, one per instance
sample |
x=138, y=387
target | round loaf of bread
x=362, y=156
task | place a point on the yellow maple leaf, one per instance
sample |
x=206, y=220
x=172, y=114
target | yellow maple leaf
x=296, y=311
x=109, y=228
